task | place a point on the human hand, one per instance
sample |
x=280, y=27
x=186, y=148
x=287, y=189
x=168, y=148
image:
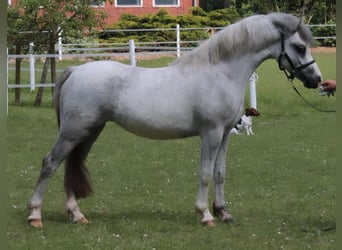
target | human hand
x=328, y=85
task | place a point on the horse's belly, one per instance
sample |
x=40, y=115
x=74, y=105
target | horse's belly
x=156, y=124
x=157, y=131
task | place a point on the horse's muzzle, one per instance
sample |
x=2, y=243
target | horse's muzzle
x=312, y=82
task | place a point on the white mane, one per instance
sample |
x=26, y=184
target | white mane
x=250, y=34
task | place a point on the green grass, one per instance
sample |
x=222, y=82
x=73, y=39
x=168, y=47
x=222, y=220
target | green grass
x=280, y=183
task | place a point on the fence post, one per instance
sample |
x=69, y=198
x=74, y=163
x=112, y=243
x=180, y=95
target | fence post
x=178, y=39
x=132, y=52
x=252, y=90
x=32, y=70
x=60, y=46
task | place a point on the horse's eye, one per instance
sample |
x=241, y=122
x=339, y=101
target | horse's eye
x=301, y=49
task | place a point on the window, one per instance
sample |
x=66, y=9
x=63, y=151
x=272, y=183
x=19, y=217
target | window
x=128, y=3
x=166, y=3
x=96, y=3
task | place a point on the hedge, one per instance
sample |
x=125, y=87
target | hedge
x=162, y=19
x=196, y=17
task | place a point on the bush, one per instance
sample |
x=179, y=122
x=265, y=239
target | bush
x=162, y=19
x=223, y=17
x=324, y=31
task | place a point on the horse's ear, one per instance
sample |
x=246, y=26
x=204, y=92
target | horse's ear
x=287, y=24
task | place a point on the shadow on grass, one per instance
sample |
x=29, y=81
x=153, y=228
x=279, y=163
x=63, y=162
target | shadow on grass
x=141, y=216
x=314, y=225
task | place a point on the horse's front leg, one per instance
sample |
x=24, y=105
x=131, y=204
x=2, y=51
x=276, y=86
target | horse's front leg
x=210, y=144
x=219, y=205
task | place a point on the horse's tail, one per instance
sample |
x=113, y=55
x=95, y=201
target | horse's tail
x=76, y=175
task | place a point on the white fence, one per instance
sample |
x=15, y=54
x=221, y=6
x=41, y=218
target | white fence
x=109, y=50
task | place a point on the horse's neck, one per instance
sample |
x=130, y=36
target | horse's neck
x=242, y=56
x=243, y=66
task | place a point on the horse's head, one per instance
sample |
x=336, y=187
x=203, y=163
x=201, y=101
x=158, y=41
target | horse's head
x=295, y=60
x=294, y=56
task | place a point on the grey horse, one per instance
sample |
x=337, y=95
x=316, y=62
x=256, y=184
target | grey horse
x=200, y=94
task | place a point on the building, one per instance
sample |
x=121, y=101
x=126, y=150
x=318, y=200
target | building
x=139, y=7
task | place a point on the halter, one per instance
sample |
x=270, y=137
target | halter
x=294, y=69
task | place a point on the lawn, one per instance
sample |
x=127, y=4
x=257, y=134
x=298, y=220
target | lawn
x=280, y=183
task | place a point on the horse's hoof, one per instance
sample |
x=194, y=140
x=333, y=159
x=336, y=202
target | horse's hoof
x=36, y=223
x=224, y=214
x=209, y=223
x=83, y=221
x=228, y=220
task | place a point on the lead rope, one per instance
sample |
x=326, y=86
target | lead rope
x=308, y=103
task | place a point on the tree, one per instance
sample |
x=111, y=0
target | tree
x=209, y=5
x=316, y=11
x=42, y=21
x=17, y=39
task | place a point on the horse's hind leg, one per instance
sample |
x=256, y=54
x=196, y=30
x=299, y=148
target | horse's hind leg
x=72, y=190
x=49, y=165
x=72, y=145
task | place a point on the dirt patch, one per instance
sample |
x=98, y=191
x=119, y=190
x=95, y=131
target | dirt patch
x=323, y=50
